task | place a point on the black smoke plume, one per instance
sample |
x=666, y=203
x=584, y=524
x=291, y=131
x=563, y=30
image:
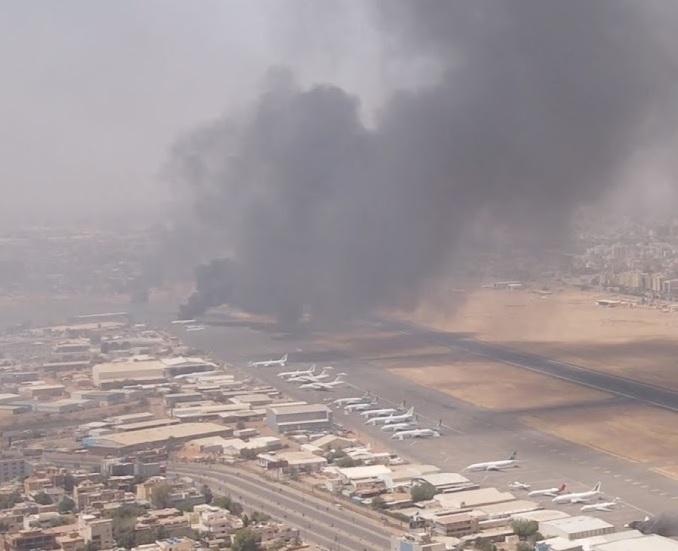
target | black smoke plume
x=665, y=525
x=536, y=108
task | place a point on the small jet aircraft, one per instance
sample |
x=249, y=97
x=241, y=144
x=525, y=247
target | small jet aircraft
x=580, y=497
x=550, y=492
x=418, y=433
x=512, y=461
x=365, y=398
x=388, y=419
x=395, y=427
x=381, y=412
x=297, y=373
x=324, y=374
x=607, y=507
x=518, y=486
x=325, y=386
x=269, y=363
x=184, y=322
x=360, y=407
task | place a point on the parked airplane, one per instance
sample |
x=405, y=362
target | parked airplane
x=360, y=407
x=418, y=433
x=518, y=486
x=325, y=386
x=550, y=492
x=393, y=418
x=183, y=322
x=580, y=497
x=298, y=372
x=356, y=400
x=380, y=412
x=395, y=427
x=607, y=507
x=324, y=374
x=195, y=327
x=495, y=465
x=269, y=363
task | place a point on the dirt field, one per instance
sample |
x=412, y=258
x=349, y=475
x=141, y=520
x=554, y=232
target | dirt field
x=638, y=433
x=636, y=342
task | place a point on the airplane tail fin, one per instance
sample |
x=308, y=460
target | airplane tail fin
x=562, y=488
x=514, y=456
x=283, y=360
x=410, y=411
x=402, y=404
x=312, y=370
x=439, y=425
x=597, y=487
x=369, y=446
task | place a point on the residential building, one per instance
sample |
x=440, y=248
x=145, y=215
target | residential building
x=12, y=467
x=99, y=531
x=216, y=522
x=416, y=542
x=457, y=526
x=29, y=540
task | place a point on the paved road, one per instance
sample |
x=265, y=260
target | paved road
x=621, y=386
x=317, y=520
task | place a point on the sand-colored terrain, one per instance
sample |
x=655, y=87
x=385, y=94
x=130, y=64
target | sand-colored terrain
x=638, y=433
x=636, y=342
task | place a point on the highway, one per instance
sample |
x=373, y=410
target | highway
x=620, y=386
x=317, y=520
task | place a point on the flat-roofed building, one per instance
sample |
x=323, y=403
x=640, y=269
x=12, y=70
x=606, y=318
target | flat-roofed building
x=8, y=398
x=458, y=526
x=446, y=482
x=592, y=543
x=541, y=515
x=288, y=418
x=507, y=509
x=126, y=442
x=142, y=425
x=562, y=544
x=578, y=527
x=253, y=400
x=12, y=467
x=29, y=540
x=299, y=461
x=473, y=498
x=41, y=391
x=118, y=374
x=644, y=543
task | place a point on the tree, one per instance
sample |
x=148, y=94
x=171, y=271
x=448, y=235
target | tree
x=9, y=501
x=206, y=491
x=69, y=483
x=422, y=492
x=378, y=503
x=42, y=499
x=524, y=529
x=257, y=516
x=524, y=546
x=346, y=462
x=160, y=495
x=248, y=453
x=484, y=544
x=90, y=546
x=66, y=505
x=246, y=540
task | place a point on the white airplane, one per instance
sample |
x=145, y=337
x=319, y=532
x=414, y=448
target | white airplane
x=495, y=465
x=298, y=372
x=395, y=427
x=269, y=363
x=607, y=507
x=388, y=419
x=580, y=497
x=359, y=449
x=325, y=386
x=518, y=486
x=360, y=407
x=183, y=322
x=418, y=433
x=550, y=492
x=324, y=374
x=195, y=327
x=356, y=400
x=380, y=412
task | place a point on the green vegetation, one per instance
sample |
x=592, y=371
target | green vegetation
x=9, y=501
x=226, y=502
x=248, y=453
x=422, y=492
x=206, y=491
x=42, y=499
x=484, y=544
x=524, y=546
x=66, y=505
x=69, y=483
x=246, y=540
x=528, y=532
x=378, y=503
x=160, y=496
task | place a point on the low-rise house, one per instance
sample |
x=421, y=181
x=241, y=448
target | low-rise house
x=215, y=522
x=299, y=461
x=458, y=526
x=95, y=529
x=29, y=540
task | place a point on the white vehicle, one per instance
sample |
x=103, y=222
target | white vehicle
x=550, y=492
x=324, y=374
x=349, y=401
x=395, y=427
x=512, y=461
x=418, y=433
x=325, y=386
x=184, y=322
x=297, y=373
x=362, y=406
x=393, y=418
x=580, y=497
x=269, y=363
x=518, y=486
x=606, y=507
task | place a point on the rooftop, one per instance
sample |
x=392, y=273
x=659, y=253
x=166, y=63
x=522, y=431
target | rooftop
x=158, y=434
x=579, y=524
x=282, y=409
x=653, y=543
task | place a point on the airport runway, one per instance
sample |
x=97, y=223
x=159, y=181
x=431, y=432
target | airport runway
x=621, y=386
x=470, y=434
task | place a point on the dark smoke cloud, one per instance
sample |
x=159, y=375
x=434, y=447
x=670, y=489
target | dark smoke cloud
x=535, y=110
x=665, y=525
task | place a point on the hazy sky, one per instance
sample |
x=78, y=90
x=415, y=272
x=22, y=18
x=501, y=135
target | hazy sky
x=94, y=92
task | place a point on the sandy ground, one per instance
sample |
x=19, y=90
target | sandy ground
x=635, y=342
